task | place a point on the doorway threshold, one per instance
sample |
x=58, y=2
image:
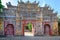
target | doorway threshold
x=28, y=34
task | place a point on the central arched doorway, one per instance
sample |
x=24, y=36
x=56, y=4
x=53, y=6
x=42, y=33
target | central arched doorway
x=47, y=29
x=9, y=30
x=28, y=29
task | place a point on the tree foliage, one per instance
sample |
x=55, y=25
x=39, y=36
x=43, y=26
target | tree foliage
x=30, y=26
x=1, y=6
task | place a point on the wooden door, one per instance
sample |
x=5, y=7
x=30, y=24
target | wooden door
x=9, y=30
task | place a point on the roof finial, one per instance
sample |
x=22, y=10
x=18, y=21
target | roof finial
x=46, y=5
x=20, y=0
x=34, y=1
x=28, y=1
x=38, y=2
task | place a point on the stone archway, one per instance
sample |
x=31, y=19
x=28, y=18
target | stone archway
x=47, y=29
x=9, y=29
x=25, y=28
x=28, y=29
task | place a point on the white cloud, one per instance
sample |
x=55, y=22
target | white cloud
x=4, y=2
x=42, y=3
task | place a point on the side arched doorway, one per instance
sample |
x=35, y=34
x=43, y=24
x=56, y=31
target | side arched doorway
x=9, y=29
x=47, y=30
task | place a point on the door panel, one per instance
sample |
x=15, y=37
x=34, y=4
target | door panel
x=9, y=30
x=47, y=29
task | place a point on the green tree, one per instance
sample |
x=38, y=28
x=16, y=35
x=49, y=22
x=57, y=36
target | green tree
x=1, y=7
x=29, y=26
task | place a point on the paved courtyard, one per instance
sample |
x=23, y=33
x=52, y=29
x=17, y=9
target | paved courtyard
x=31, y=38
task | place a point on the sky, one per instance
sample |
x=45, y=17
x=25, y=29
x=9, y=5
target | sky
x=54, y=4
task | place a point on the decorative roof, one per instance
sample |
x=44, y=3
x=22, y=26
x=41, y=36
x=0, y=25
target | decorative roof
x=28, y=2
x=8, y=4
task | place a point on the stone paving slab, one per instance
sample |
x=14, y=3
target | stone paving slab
x=31, y=38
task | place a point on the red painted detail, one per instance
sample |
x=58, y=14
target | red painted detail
x=45, y=22
x=23, y=27
x=9, y=29
x=31, y=20
x=45, y=26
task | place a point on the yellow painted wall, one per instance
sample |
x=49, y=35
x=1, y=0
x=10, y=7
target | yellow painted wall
x=1, y=24
x=55, y=28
